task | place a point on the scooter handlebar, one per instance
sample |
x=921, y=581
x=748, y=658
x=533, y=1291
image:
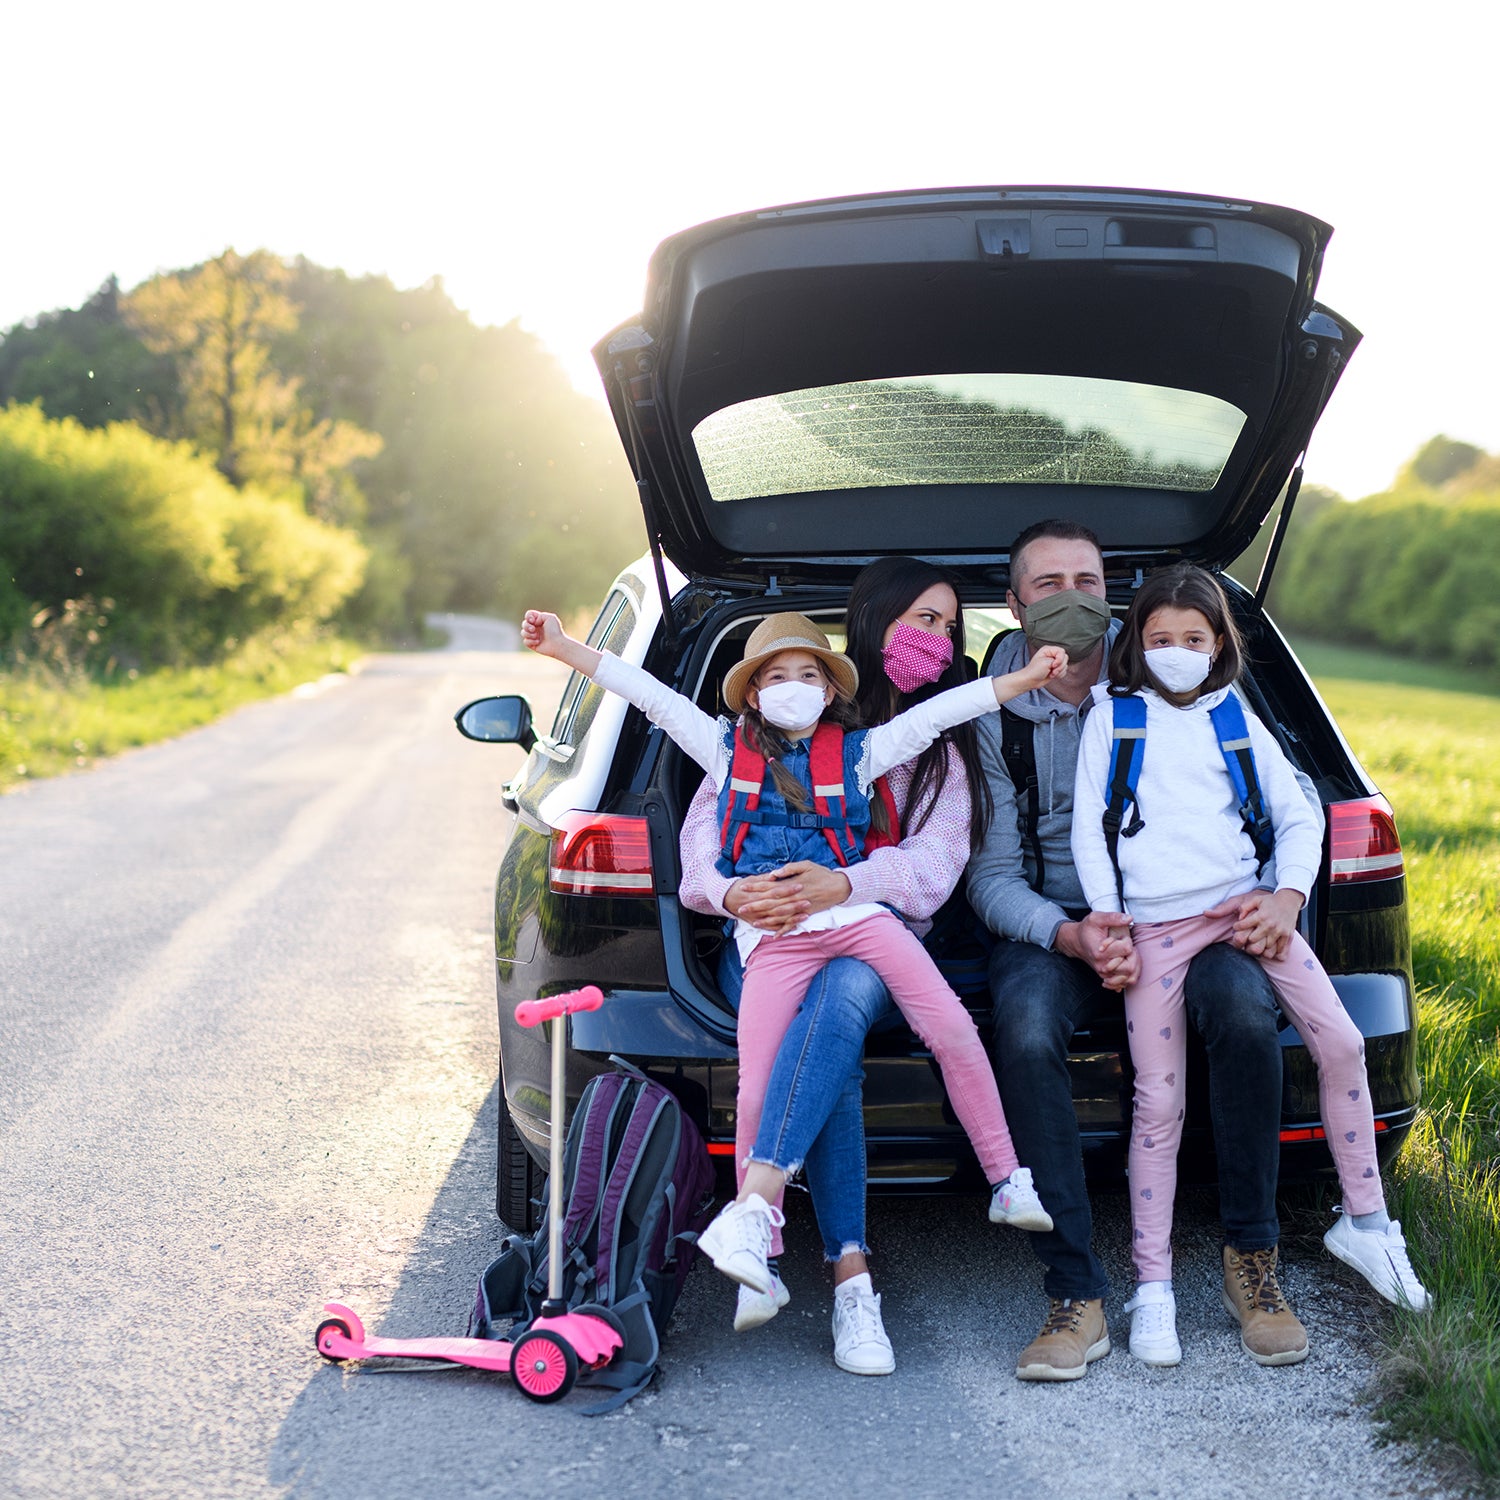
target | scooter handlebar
x=534, y=1012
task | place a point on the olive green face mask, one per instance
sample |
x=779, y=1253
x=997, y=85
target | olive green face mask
x=1072, y=619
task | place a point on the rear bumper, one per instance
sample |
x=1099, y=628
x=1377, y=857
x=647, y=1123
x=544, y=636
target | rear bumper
x=914, y=1142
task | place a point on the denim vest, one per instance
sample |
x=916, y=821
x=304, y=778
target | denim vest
x=787, y=834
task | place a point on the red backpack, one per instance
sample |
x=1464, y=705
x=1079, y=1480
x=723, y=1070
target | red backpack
x=747, y=775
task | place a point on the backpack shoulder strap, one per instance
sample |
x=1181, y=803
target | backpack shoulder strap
x=1126, y=753
x=747, y=774
x=586, y=1157
x=1234, y=744
x=640, y=1173
x=827, y=763
x=1018, y=750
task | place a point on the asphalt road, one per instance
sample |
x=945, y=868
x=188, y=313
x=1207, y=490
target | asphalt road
x=247, y=1013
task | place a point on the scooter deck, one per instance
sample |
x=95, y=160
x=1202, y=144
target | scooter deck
x=592, y=1340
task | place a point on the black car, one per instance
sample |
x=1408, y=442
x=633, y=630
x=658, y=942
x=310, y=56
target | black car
x=814, y=386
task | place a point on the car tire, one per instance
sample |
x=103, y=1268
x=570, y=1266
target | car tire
x=518, y=1179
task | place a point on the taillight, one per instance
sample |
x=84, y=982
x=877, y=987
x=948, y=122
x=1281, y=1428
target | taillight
x=1307, y=1132
x=1362, y=841
x=600, y=854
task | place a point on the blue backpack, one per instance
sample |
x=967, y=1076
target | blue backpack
x=1128, y=750
x=637, y=1188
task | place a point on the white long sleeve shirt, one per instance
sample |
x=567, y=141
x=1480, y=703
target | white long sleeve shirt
x=1192, y=851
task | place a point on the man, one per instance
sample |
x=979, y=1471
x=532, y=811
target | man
x=1057, y=964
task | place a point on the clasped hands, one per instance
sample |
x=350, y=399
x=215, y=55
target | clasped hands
x=779, y=900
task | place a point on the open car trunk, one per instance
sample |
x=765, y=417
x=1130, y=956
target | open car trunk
x=813, y=386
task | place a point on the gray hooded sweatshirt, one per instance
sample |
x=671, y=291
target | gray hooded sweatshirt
x=1000, y=874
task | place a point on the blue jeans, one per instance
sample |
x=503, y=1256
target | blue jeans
x=813, y=1117
x=1040, y=999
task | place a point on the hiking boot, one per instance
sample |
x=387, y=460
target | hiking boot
x=860, y=1345
x=1015, y=1203
x=1380, y=1257
x=1074, y=1335
x=755, y=1308
x=1269, y=1330
x=1153, y=1325
x=738, y=1242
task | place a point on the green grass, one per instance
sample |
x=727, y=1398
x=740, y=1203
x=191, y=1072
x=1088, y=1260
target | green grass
x=1431, y=740
x=50, y=724
x=1354, y=664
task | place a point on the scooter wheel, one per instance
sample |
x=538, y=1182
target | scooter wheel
x=544, y=1366
x=332, y=1325
x=605, y=1315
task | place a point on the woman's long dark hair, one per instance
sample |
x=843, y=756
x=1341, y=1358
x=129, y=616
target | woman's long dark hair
x=1181, y=586
x=884, y=591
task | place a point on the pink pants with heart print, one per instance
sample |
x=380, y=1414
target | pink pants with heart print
x=1155, y=1019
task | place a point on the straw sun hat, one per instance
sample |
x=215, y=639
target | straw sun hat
x=788, y=632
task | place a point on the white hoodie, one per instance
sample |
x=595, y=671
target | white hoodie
x=1192, y=851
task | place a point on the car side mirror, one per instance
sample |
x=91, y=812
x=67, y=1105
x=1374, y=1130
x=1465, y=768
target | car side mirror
x=497, y=721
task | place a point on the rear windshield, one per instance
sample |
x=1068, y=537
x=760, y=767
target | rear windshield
x=966, y=429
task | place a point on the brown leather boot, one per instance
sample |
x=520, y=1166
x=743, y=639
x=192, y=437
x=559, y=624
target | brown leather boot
x=1269, y=1330
x=1074, y=1335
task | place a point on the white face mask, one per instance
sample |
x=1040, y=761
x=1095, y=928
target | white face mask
x=792, y=705
x=1178, y=669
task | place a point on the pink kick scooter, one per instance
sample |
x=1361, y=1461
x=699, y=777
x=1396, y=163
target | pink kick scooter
x=546, y=1358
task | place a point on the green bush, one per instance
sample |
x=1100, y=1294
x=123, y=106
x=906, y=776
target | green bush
x=1409, y=571
x=185, y=559
x=294, y=569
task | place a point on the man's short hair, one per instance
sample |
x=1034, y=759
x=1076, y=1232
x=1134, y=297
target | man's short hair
x=1063, y=531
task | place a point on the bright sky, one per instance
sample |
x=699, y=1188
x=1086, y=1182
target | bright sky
x=533, y=155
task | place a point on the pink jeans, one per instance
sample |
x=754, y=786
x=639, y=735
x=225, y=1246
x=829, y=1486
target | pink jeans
x=1158, y=1049
x=777, y=975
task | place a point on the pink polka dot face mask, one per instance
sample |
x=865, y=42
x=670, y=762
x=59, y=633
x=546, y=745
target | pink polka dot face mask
x=913, y=657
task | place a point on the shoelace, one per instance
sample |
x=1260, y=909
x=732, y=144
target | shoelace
x=1153, y=1320
x=1395, y=1249
x=1064, y=1317
x=1259, y=1267
x=752, y=1229
x=861, y=1315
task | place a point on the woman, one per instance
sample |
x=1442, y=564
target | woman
x=904, y=633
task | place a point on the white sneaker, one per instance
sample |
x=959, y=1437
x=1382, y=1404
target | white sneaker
x=1380, y=1257
x=1015, y=1203
x=755, y=1308
x=860, y=1345
x=1153, y=1325
x=738, y=1241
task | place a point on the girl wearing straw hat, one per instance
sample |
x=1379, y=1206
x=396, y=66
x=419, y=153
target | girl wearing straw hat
x=794, y=694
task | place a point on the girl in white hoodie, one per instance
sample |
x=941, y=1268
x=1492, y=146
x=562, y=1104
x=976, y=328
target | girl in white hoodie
x=1189, y=876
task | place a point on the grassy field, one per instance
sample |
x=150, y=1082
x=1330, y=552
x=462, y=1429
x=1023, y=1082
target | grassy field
x=51, y=723
x=1432, y=744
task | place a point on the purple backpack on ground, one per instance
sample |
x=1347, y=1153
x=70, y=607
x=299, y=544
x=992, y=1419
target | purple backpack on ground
x=637, y=1188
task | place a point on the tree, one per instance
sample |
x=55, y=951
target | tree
x=1438, y=461
x=87, y=364
x=504, y=486
x=492, y=483
x=218, y=321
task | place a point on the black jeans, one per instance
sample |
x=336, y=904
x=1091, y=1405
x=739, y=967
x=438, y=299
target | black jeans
x=1040, y=999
